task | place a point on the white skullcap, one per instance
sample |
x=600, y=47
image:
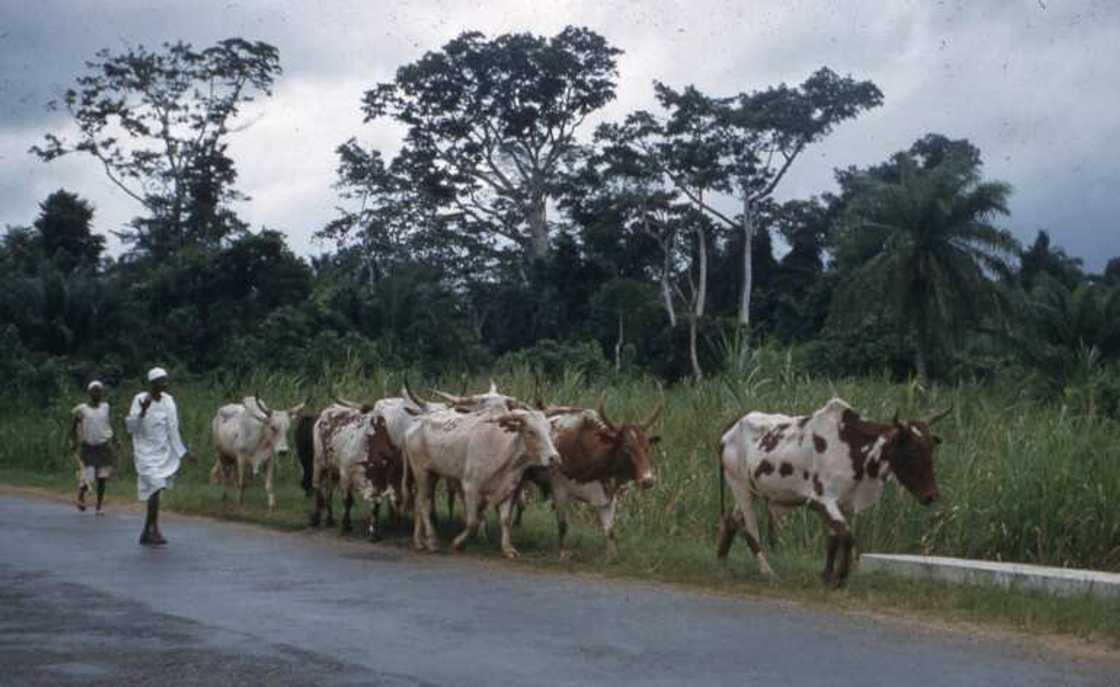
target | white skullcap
x=156, y=373
x=95, y=385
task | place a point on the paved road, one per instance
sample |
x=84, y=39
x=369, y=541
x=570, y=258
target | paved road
x=82, y=603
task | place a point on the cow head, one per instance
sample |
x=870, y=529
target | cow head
x=631, y=444
x=381, y=454
x=533, y=428
x=274, y=423
x=909, y=450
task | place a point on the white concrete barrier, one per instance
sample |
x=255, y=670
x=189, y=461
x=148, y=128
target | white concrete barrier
x=1019, y=575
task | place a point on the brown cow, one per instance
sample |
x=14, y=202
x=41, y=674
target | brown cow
x=599, y=460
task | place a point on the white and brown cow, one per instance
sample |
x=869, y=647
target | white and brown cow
x=832, y=461
x=599, y=460
x=487, y=451
x=247, y=435
x=353, y=452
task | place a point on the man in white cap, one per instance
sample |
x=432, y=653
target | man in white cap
x=157, y=448
x=91, y=437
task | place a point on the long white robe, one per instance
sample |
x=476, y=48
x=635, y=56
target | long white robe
x=157, y=446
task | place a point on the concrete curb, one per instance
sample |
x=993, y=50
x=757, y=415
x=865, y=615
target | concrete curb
x=1063, y=581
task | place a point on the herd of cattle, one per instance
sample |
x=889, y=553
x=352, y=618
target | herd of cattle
x=488, y=447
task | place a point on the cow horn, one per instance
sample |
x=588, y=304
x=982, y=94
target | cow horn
x=349, y=404
x=493, y=386
x=648, y=422
x=262, y=406
x=453, y=400
x=602, y=410
x=294, y=410
x=422, y=404
x=895, y=420
x=938, y=416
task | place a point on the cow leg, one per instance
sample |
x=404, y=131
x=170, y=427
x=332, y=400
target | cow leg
x=505, y=516
x=560, y=503
x=240, y=482
x=606, y=520
x=347, y=503
x=268, y=485
x=328, y=500
x=840, y=541
x=374, y=532
x=472, y=508
x=728, y=528
x=423, y=531
x=746, y=523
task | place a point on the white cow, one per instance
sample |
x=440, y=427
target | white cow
x=832, y=461
x=487, y=452
x=248, y=435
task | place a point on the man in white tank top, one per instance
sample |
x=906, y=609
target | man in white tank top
x=91, y=436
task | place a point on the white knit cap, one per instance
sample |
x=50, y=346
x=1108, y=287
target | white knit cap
x=156, y=373
x=95, y=385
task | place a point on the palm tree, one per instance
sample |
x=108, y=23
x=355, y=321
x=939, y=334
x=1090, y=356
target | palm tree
x=924, y=245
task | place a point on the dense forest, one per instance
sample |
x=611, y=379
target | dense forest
x=515, y=227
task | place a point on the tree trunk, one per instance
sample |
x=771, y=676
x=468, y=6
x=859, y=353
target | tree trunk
x=702, y=279
x=667, y=294
x=538, y=227
x=693, y=326
x=748, y=267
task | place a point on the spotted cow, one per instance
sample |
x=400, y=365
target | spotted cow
x=353, y=452
x=832, y=461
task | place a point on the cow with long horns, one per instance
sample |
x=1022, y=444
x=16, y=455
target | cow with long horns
x=599, y=461
x=832, y=461
x=247, y=436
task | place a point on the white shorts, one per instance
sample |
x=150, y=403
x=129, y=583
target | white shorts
x=147, y=485
x=88, y=473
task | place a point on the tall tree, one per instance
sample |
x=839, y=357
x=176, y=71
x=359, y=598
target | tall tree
x=927, y=242
x=753, y=139
x=64, y=231
x=490, y=122
x=158, y=122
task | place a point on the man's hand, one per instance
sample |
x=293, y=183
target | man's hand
x=144, y=403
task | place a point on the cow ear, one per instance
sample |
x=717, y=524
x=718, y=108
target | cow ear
x=606, y=436
x=937, y=440
x=654, y=440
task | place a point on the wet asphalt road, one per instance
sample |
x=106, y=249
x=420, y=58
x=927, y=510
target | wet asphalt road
x=82, y=603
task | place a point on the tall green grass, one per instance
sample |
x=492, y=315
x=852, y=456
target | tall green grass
x=1020, y=480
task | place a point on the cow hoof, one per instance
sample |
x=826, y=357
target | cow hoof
x=565, y=555
x=373, y=535
x=511, y=553
x=313, y=521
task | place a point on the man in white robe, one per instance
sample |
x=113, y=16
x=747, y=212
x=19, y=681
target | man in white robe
x=157, y=448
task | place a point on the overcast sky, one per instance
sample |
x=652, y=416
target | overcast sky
x=1032, y=83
